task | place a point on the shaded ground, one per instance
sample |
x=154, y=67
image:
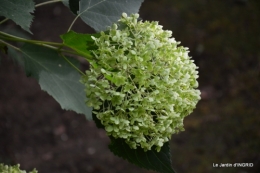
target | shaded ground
x=224, y=41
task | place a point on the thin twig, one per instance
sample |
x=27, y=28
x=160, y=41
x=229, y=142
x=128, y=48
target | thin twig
x=16, y=48
x=72, y=64
x=15, y=38
x=73, y=23
x=48, y=2
x=3, y=21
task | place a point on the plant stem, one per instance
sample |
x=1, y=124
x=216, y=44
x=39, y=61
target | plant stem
x=15, y=38
x=3, y=21
x=73, y=23
x=50, y=45
x=72, y=64
x=16, y=48
x=60, y=50
x=48, y=2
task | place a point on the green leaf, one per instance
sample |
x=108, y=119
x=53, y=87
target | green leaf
x=81, y=43
x=100, y=14
x=74, y=6
x=97, y=121
x=157, y=161
x=65, y=2
x=3, y=48
x=16, y=56
x=56, y=77
x=18, y=11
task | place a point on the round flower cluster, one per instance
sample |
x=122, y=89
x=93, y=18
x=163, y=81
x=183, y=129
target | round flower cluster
x=140, y=84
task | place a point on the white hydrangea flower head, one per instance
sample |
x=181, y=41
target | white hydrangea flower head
x=141, y=84
x=13, y=169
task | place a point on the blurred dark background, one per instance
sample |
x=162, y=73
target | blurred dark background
x=224, y=40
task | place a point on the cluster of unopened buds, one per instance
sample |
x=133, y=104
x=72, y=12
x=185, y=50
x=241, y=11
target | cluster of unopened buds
x=141, y=84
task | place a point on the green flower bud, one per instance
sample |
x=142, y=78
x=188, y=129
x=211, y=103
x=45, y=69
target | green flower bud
x=141, y=84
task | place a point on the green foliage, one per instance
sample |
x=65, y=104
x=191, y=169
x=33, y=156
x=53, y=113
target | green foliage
x=74, y=6
x=65, y=2
x=56, y=77
x=13, y=53
x=3, y=48
x=18, y=11
x=81, y=43
x=15, y=56
x=100, y=14
x=157, y=161
x=13, y=169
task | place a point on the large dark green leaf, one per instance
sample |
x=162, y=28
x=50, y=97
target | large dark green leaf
x=15, y=55
x=56, y=77
x=99, y=14
x=74, y=6
x=19, y=11
x=3, y=48
x=158, y=161
x=65, y=2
